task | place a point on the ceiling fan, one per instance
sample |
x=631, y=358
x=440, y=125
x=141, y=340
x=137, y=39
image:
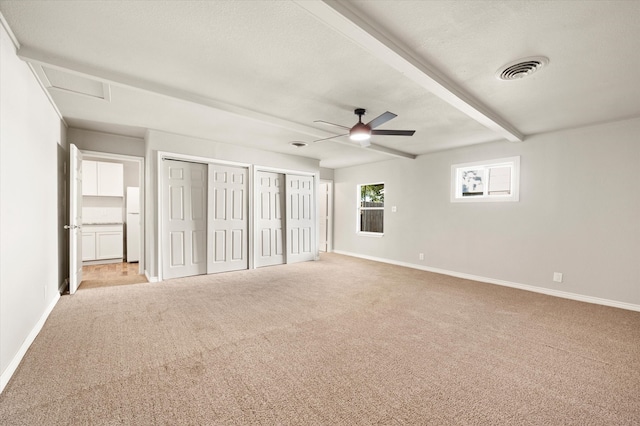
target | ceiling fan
x=362, y=133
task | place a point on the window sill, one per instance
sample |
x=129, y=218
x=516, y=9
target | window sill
x=494, y=199
x=371, y=234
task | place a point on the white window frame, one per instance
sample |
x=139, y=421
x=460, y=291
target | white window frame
x=456, y=181
x=360, y=209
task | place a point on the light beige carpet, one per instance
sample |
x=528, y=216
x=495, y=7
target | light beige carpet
x=342, y=341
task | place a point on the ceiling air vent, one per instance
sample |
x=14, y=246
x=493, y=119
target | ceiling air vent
x=521, y=68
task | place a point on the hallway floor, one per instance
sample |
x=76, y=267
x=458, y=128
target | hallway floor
x=110, y=274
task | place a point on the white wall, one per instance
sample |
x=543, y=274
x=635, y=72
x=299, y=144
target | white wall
x=88, y=140
x=326, y=174
x=157, y=141
x=579, y=214
x=30, y=145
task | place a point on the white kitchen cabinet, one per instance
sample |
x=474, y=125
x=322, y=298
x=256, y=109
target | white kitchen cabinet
x=89, y=177
x=102, y=242
x=102, y=179
x=110, y=176
x=109, y=245
x=88, y=245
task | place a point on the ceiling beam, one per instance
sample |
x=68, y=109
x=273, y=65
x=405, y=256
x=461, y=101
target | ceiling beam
x=118, y=79
x=345, y=19
x=373, y=147
x=37, y=57
x=390, y=151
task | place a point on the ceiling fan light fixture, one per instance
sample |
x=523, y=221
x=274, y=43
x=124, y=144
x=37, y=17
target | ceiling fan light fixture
x=360, y=132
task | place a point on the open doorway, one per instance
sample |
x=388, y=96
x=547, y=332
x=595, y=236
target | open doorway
x=112, y=220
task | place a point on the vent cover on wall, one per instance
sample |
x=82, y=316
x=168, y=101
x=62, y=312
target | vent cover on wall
x=521, y=68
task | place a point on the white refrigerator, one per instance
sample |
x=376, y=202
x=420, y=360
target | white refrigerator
x=133, y=224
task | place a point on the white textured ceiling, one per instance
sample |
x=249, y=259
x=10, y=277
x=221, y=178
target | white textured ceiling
x=258, y=73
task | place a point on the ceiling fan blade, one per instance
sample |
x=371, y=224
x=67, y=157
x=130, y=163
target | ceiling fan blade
x=393, y=132
x=332, y=137
x=331, y=124
x=381, y=119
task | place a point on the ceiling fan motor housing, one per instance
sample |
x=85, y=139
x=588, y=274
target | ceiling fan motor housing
x=360, y=132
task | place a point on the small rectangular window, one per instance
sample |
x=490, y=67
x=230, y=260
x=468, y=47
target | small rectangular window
x=494, y=180
x=371, y=208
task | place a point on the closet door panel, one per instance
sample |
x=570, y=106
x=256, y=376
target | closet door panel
x=228, y=219
x=300, y=218
x=270, y=222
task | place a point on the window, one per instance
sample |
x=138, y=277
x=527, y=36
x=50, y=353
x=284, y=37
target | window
x=494, y=180
x=371, y=208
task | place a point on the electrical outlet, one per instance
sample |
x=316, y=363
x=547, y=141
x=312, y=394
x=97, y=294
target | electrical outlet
x=394, y=209
x=557, y=277
x=421, y=256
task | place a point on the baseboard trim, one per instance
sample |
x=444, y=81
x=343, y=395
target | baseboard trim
x=542, y=290
x=101, y=262
x=150, y=278
x=63, y=286
x=15, y=362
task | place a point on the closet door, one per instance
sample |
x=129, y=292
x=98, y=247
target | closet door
x=300, y=218
x=270, y=219
x=184, y=219
x=228, y=219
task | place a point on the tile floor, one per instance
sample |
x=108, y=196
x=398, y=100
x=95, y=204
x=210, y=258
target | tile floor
x=111, y=274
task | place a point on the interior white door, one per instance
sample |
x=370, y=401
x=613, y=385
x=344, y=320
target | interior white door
x=184, y=219
x=300, y=223
x=228, y=219
x=323, y=215
x=270, y=247
x=75, y=219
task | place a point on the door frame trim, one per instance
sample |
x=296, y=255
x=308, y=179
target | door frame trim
x=329, y=183
x=142, y=186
